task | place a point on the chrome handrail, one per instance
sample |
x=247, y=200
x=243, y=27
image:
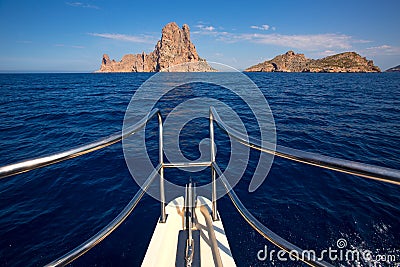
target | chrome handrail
x=213, y=173
x=28, y=165
x=109, y=228
x=341, y=165
x=275, y=239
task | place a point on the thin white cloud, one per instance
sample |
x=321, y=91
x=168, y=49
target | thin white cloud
x=263, y=27
x=126, y=38
x=325, y=53
x=383, y=50
x=219, y=35
x=309, y=42
x=205, y=28
x=306, y=42
x=324, y=43
x=83, y=5
x=209, y=28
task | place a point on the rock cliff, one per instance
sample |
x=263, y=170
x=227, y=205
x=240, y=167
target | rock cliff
x=173, y=49
x=292, y=62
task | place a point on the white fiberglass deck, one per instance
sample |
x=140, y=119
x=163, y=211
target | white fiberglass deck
x=162, y=249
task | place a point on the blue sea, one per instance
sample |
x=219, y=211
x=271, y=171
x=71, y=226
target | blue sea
x=47, y=212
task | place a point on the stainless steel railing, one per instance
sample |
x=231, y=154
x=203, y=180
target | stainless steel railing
x=263, y=230
x=109, y=228
x=28, y=165
x=341, y=165
x=346, y=166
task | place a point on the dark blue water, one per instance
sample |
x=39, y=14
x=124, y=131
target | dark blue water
x=47, y=212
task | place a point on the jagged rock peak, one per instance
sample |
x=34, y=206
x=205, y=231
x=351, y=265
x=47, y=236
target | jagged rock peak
x=174, y=48
x=106, y=58
x=172, y=27
x=292, y=62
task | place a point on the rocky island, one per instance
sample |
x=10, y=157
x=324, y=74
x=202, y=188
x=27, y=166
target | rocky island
x=394, y=69
x=292, y=62
x=173, y=49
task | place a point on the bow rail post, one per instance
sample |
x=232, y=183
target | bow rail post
x=213, y=173
x=163, y=216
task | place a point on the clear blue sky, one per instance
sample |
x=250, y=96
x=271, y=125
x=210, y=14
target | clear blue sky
x=72, y=35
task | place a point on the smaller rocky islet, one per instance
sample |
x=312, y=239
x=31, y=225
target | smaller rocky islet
x=394, y=69
x=292, y=62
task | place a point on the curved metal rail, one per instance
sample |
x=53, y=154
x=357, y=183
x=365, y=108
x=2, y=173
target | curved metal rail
x=275, y=239
x=32, y=164
x=109, y=228
x=341, y=165
x=28, y=165
x=346, y=166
